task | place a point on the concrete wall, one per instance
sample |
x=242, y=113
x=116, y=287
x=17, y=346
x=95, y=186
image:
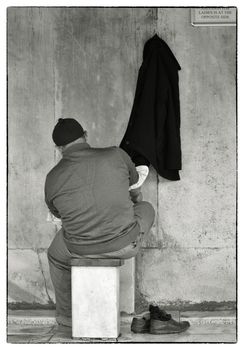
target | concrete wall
x=83, y=63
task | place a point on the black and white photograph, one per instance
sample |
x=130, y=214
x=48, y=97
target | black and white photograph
x=121, y=174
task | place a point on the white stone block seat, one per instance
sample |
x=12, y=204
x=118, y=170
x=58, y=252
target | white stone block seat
x=95, y=297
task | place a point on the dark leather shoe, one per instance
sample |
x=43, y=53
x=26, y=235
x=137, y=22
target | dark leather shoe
x=158, y=314
x=168, y=327
x=141, y=323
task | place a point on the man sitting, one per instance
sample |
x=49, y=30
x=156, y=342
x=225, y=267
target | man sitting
x=102, y=213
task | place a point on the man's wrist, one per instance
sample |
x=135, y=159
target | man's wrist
x=136, y=196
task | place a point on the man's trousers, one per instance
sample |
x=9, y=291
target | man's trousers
x=59, y=260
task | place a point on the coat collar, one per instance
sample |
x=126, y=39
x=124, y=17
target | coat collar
x=75, y=150
x=156, y=44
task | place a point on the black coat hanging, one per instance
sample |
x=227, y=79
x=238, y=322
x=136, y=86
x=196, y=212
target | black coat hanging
x=153, y=130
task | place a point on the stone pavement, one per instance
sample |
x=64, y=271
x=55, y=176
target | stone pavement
x=33, y=326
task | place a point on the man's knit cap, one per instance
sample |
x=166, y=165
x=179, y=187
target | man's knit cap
x=67, y=130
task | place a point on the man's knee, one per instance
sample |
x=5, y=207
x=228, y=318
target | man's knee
x=150, y=212
x=51, y=249
x=145, y=208
x=145, y=213
x=49, y=252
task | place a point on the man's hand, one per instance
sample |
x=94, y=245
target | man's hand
x=136, y=195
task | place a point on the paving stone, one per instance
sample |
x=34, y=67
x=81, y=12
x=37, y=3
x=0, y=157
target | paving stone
x=210, y=321
x=212, y=329
x=19, y=338
x=28, y=338
x=203, y=314
x=28, y=329
x=31, y=317
x=204, y=338
x=227, y=317
x=29, y=320
x=32, y=313
x=66, y=337
x=170, y=276
x=41, y=339
x=25, y=284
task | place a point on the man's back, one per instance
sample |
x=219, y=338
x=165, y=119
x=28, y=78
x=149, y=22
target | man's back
x=88, y=189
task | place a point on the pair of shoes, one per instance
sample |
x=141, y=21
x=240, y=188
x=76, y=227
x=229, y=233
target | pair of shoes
x=163, y=323
x=158, y=322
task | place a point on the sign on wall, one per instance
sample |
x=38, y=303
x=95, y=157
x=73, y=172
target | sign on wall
x=213, y=16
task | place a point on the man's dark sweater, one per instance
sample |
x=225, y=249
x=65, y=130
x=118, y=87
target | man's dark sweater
x=88, y=190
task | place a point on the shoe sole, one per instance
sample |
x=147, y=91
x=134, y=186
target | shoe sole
x=141, y=331
x=169, y=332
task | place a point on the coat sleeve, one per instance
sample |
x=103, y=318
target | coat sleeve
x=133, y=174
x=167, y=117
x=173, y=142
x=49, y=203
